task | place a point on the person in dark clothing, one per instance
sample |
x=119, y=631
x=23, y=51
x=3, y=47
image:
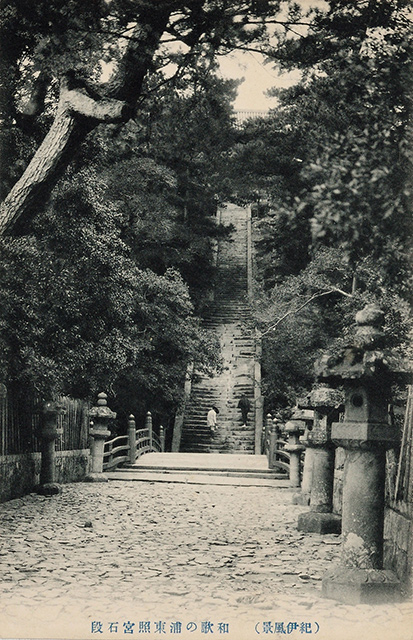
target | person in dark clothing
x=245, y=405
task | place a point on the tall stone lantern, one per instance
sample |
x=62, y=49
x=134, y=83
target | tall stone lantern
x=325, y=403
x=366, y=371
x=101, y=416
x=303, y=496
x=295, y=427
x=49, y=432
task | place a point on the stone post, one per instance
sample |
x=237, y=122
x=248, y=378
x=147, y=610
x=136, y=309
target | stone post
x=320, y=519
x=101, y=415
x=162, y=438
x=366, y=371
x=132, y=439
x=273, y=434
x=294, y=428
x=149, y=427
x=303, y=496
x=51, y=410
x=266, y=435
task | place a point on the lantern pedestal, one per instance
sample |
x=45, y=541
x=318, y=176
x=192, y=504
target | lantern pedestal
x=49, y=433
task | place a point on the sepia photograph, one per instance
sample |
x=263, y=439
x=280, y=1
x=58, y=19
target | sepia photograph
x=206, y=372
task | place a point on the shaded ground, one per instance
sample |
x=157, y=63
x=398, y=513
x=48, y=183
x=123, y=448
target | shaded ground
x=223, y=561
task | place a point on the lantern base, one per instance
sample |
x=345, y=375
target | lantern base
x=96, y=477
x=48, y=489
x=323, y=523
x=361, y=586
x=302, y=498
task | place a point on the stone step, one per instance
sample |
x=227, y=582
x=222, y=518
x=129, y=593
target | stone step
x=275, y=482
x=241, y=473
x=229, y=315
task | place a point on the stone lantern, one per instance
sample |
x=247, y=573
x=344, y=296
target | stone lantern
x=295, y=427
x=101, y=416
x=325, y=403
x=303, y=496
x=49, y=432
x=366, y=371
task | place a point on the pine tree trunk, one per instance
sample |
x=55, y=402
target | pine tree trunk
x=79, y=112
x=43, y=171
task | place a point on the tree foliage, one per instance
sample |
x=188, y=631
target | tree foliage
x=87, y=316
x=119, y=263
x=98, y=284
x=133, y=40
x=338, y=177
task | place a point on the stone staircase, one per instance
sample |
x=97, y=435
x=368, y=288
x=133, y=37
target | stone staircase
x=228, y=315
x=197, y=468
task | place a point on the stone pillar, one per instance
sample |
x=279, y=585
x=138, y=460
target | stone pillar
x=366, y=371
x=162, y=438
x=294, y=428
x=266, y=435
x=273, y=435
x=303, y=496
x=101, y=415
x=132, y=439
x=307, y=416
x=320, y=519
x=49, y=433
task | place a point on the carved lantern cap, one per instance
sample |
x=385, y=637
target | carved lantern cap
x=102, y=411
x=294, y=426
x=302, y=414
x=325, y=396
x=366, y=358
x=299, y=420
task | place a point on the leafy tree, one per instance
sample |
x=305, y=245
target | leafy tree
x=334, y=159
x=344, y=133
x=98, y=303
x=191, y=129
x=132, y=38
x=79, y=315
x=163, y=172
x=314, y=311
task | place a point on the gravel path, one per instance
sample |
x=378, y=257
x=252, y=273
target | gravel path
x=175, y=561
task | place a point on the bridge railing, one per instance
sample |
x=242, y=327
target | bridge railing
x=115, y=452
x=128, y=448
x=145, y=443
x=274, y=447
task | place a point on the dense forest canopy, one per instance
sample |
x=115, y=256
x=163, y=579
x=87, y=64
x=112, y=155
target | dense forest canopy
x=338, y=233
x=117, y=138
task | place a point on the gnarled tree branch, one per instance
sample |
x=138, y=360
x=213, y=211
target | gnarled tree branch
x=80, y=110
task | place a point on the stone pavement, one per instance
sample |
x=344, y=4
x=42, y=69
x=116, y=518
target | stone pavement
x=153, y=560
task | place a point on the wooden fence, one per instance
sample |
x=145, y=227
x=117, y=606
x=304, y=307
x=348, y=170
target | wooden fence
x=20, y=420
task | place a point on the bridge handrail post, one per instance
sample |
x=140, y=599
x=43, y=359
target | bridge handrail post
x=132, y=438
x=272, y=446
x=162, y=438
x=149, y=427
